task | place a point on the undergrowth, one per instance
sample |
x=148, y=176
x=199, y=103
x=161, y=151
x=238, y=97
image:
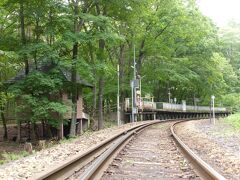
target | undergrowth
x=234, y=120
x=7, y=156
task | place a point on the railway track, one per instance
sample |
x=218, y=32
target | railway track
x=144, y=151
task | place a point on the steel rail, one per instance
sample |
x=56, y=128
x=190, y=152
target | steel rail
x=70, y=166
x=204, y=170
x=95, y=171
x=99, y=157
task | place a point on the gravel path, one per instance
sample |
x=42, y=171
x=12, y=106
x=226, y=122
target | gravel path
x=42, y=160
x=151, y=155
x=217, y=145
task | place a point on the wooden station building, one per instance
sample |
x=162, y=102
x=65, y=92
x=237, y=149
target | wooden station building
x=63, y=96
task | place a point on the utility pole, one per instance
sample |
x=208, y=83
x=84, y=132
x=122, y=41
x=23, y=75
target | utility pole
x=194, y=101
x=134, y=59
x=169, y=95
x=213, y=110
x=133, y=86
x=118, y=97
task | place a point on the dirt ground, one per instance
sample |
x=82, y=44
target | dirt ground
x=10, y=150
x=218, y=145
x=10, y=147
x=27, y=167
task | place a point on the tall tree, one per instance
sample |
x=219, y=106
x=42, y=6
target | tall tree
x=101, y=77
x=74, y=70
x=23, y=36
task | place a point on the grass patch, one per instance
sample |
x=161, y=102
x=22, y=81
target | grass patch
x=7, y=156
x=109, y=124
x=67, y=140
x=234, y=120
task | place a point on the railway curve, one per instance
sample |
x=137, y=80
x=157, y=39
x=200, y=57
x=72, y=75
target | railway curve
x=100, y=161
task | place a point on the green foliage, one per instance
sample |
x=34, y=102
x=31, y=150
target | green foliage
x=4, y=98
x=39, y=97
x=176, y=46
x=234, y=120
x=39, y=84
x=232, y=100
x=7, y=157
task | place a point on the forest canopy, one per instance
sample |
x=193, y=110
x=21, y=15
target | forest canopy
x=177, y=48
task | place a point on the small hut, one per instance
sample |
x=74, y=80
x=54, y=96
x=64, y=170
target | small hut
x=64, y=96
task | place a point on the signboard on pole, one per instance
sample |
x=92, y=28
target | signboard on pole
x=213, y=110
x=184, y=108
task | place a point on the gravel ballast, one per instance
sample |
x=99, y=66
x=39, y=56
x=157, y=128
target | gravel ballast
x=42, y=160
x=217, y=144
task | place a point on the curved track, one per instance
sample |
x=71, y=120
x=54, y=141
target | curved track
x=204, y=170
x=151, y=155
x=95, y=163
x=74, y=164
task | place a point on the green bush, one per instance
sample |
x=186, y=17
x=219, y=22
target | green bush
x=234, y=120
x=232, y=100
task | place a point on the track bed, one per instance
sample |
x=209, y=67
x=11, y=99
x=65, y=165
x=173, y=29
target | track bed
x=151, y=155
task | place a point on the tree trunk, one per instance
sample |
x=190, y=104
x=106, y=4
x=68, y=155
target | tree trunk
x=74, y=91
x=79, y=121
x=18, y=131
x=121, y=80
x=5, y=136
x=95, y=85
x=29, y=130
x=37, y=41
x=101, y=76
x=94, y=100
x=50, y=37
x=140, y=57
x=60, y=131
x=43, y=130
x=101, y=87
x=94, y=90
x=100, y=103
x=74, y=73
x=33, y=131
x=23, y=36
x=48, y=131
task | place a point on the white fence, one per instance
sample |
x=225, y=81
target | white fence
x=180, y=107
x=171, y=106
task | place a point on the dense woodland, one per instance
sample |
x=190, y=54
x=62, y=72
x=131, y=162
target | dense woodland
x=177, y=48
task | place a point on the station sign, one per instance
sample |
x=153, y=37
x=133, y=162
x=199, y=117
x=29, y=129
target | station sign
x=135, y=83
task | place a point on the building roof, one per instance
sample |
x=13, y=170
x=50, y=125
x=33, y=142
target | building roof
x=46, y=67
x=68, y=75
